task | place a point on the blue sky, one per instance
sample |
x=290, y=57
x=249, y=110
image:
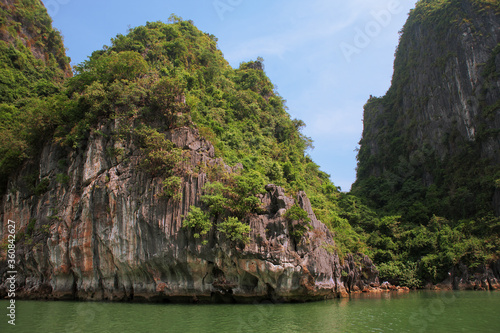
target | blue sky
x=326, y=57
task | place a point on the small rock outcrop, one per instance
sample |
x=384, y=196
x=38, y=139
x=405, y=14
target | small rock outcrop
x=483, y=277
x=360, y=274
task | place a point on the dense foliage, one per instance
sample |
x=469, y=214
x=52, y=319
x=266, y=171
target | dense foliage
x=33, y=66
x=438, y=207
x=198, y=221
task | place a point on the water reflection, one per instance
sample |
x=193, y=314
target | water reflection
x=383, y=312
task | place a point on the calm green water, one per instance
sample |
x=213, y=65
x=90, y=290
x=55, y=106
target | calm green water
x=411, y=312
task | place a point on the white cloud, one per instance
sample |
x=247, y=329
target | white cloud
x=308, y=27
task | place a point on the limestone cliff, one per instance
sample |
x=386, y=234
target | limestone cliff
x=436, y=132
x=104, y=234
x=429, y=152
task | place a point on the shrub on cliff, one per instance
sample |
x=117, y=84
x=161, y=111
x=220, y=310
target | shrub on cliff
x=234, y=230
x=235, y=195
x=199, y=221
x=298, y=222
x=160, y=156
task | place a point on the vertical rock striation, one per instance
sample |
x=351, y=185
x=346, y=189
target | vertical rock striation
x=104, y=234
x=430, y=147
x=439, y=122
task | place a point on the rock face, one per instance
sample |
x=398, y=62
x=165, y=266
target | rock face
x=97, y=230
x=483, y=277
x=439, y=121
x=430, y=147
x=446, y=82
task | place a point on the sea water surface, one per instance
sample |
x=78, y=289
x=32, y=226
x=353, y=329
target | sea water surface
x=418, y=311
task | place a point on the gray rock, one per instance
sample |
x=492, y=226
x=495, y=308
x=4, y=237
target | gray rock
x=106, y=235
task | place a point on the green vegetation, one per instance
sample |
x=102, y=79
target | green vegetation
x=298, y=222
x=33, y=67
x=164, y=76
x=199, y=221
x=431, y=211
x=159, y=77
x=231, y=227
x=42, y=187
x=235, y=195
x=234, y=230
x=161, y=159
